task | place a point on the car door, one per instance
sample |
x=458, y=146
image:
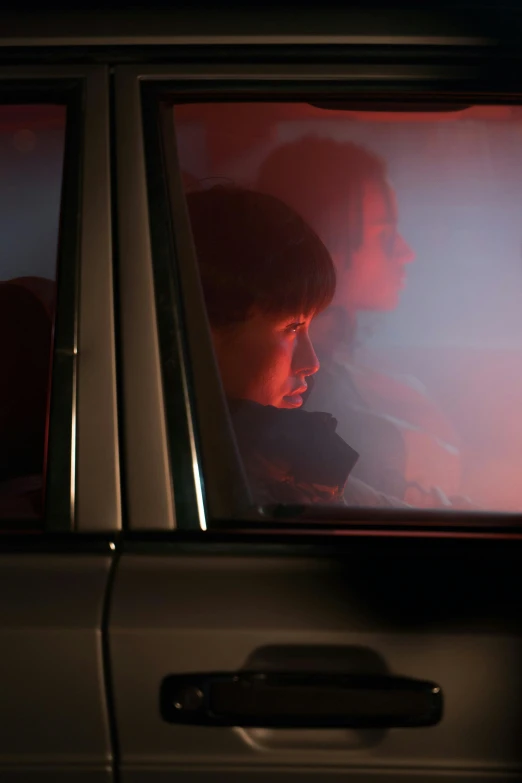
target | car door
x=209, y=591
x=60, y=492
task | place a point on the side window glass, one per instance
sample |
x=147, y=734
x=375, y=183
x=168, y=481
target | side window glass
x=32, y=140
x=361, y=277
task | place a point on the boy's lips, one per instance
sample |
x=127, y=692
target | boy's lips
x=295, y=398
x=298, y=392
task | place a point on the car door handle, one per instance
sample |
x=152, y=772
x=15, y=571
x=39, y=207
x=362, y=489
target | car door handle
x=299, y=700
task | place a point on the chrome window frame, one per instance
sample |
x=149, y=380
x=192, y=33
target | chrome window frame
x=85, y=495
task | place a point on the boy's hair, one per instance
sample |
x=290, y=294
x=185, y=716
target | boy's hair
x=254, y=251
x=323, y=179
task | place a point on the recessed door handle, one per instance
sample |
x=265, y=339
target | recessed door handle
x=300, y=700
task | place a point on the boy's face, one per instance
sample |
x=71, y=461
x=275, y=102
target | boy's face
x=266, y=359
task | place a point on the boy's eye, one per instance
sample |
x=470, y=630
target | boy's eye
x=293, y=327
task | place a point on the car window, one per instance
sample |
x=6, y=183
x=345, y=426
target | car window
x=32, y=143
x=360, y=270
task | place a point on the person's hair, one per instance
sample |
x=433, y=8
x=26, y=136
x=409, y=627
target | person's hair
x=255, y=252
x=323, y=180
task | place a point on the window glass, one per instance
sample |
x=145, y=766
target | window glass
x=362, y=272
x=31, y=160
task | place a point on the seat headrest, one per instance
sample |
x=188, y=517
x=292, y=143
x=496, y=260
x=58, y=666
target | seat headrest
x=43, y=288
x=25, y=359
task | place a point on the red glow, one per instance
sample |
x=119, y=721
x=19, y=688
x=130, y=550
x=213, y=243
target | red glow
x=455, y=177
x=36, y=117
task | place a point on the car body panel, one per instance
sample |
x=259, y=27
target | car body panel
x=189, y=613
x=53, y=709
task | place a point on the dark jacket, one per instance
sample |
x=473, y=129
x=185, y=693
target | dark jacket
x=291, y=456
x=382, y=463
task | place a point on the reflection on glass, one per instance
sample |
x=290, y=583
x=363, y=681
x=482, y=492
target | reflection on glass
x=420, y=346
x=31, y=160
